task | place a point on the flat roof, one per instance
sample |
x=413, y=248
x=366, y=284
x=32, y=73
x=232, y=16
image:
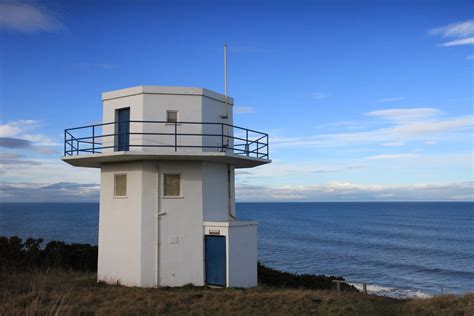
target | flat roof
x=165, y=90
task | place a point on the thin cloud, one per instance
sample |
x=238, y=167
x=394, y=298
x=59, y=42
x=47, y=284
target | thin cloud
x=463, y=41
x=14, y=128
x=391, y=156
x=456, y=30
x=18, y=135
x=56, y=192
x=319, y=95
x=399, y=115
x=349, y=191
x=348, y=168
x=244, y=110
x=26, y=18
x=461, y=33
x=393, y=144
x=404, y=125
x=10, y=159
x=19, y=143
x=393, y=99
x=470, y=57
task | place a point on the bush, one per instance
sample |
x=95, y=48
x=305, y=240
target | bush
x=16, y=254
x=274, y=278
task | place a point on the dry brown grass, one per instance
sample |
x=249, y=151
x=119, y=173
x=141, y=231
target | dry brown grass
x=65, y=293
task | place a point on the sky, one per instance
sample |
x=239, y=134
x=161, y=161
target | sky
x=363, y=100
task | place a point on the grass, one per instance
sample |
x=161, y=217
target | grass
x=63, y=292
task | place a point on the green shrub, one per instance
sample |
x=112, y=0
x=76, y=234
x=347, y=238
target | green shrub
x=274, y=278
x=17, y=254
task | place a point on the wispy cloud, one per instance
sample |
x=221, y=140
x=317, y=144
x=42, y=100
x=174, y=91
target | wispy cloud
x=14, y=128
x=19, y=134
x=461, y=32
x=27, y=18
x=56, y=192
x=404, y=125
x=319, y=95
x=349, y=191
x=459, y=29
x=15, y=159
x=458, y=42
x=243, y=110
x=470, y=57
x=392, y=99
x=403, y=115
x=393, y=144
x=392, y=156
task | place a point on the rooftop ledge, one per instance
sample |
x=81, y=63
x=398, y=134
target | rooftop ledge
x=167, y=91
x=95, y=160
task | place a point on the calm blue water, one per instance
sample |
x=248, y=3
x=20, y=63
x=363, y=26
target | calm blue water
x=426, y=247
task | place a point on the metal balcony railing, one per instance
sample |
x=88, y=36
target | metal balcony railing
x=176, y=136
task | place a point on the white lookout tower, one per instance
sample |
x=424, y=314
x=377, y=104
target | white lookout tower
x=167, y=207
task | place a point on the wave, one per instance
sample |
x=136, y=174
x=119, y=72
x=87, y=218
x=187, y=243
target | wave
x=392, y=292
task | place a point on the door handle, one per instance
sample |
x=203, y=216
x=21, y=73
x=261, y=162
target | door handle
x=161, y=213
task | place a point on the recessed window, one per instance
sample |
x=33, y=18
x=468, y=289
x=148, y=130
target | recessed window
x=172, y=185
x=120, y=185
x=172, y=116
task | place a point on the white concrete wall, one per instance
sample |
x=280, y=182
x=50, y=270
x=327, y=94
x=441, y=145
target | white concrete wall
x=181, y=259
x=215, y=192
x=152, y=104
x=120, y=227
x=149, y=231
x=128, y=228
x=189, y=110
x=242, y=253
x=215, y=111
x=109, y=108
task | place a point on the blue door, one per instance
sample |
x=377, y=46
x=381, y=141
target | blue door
x=123, y=129
x=215, y=260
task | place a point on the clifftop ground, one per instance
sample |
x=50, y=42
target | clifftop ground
x=62, y=292
x=60, y=279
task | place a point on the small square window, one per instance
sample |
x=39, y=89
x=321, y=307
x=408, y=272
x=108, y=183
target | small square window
x=120, y=185
x=172, y=185
x=172, y=116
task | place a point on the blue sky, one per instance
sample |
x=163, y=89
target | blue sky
x=363, y=100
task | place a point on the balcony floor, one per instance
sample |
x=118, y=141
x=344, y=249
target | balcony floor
x=95, y=160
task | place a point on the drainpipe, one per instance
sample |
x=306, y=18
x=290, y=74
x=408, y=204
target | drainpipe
x=229, y=192
x=229, y=175
x=159, y=213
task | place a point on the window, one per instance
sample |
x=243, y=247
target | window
x=172, y=185
x=120, y=185
x=172, y=116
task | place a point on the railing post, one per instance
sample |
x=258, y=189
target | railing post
x=268, y=145
x=247, y=141
x=222, y=137
x=175, y=136
x=64, y=142
x=93, y=139
x=77, y=148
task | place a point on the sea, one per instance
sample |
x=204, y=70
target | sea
x=399, y=249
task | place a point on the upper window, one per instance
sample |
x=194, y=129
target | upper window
x=172, y=185
x=172, y=116
x=120, y=185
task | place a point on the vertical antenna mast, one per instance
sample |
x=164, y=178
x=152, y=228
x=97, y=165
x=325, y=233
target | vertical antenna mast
x=225, y=73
